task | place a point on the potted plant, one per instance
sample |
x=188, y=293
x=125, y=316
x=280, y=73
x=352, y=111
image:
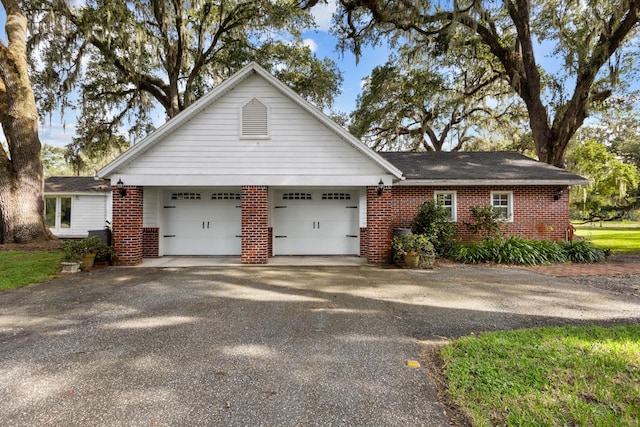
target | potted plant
x=84, y=251
x=414, y=250
x=70, y=261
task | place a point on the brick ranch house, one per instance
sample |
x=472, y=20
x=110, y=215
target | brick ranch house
x=253, y=170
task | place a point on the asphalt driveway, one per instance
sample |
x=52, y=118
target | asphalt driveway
x=260, y=346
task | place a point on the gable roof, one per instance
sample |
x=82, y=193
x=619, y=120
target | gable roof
x=478, y=168
x=76, y=184
x=218, y=92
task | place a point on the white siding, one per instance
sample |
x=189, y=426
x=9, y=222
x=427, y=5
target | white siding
x=150, y=207
x=209, y=145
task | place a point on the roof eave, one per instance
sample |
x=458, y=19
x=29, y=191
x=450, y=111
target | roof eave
x=488, y=182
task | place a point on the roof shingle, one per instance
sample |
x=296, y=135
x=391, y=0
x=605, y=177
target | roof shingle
x=76, y=184
x=467, y=168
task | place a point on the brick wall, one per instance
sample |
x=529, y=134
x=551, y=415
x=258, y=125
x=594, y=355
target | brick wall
x=536, y=214
x=380, y=217
x=150, y=242
x=126, y=225
x=255, y=225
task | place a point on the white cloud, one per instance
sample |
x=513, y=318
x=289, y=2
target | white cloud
x=311, y=44
x=322, y=13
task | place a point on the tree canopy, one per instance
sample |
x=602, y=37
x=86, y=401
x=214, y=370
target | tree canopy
x=423, y=102
x=118, y=61
x=561, y=58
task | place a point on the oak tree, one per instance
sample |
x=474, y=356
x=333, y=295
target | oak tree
x=21, y=182
x=561, y=58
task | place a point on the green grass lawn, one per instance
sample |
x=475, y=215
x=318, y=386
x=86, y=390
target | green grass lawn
x=18, y=268
x=618, y=238
x=586, y=376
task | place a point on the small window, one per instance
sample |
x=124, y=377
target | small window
x=296, y=196
x=225, y=196
x=503, y=201
x=447, y=199
x=186, y=196
x=255, y=120
x=336, y=196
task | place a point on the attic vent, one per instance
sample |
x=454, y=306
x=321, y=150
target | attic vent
x=336, y=196
x=296, y=196
x=185, y=196
x=255, y=121
x=225, y=196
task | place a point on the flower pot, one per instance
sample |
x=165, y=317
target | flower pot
x=411, y=259
x=87, y=261
x=70, y=267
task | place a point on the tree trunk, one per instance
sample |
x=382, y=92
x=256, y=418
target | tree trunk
x=22, y=217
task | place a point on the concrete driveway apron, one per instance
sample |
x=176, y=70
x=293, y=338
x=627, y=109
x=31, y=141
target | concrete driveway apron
x=258, y=346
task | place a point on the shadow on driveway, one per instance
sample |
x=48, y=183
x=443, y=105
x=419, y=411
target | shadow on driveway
x=265, y=346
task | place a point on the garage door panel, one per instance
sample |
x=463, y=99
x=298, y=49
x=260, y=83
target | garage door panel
x=312, y=224
x=203, y=225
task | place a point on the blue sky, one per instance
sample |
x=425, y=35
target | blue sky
x=59, y=130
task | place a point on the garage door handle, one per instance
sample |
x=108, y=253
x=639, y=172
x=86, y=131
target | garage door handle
x=207, y=224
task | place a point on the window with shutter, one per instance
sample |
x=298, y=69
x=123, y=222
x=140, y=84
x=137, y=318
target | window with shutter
x=255, y=120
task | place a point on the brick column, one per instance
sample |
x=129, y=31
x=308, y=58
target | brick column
x=255, y=224
x=126, y=225
x=379, y=218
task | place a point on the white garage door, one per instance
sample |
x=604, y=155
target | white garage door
x=202, y=223
x=316, y=223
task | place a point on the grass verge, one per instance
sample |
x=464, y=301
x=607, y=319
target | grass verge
x=19, y=268
x=547, y=376
x=618, y=239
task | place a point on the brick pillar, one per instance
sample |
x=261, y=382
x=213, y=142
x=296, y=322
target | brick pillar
x=126, y=225
x=379, y=218
x=255, y=224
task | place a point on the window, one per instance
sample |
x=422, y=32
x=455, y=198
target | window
x=503, y=201
x=255, y=120
x=447, y=199
x=336, y=196
x=226, y=196
x=58, y=213
x=296, y=196
x=186, y=196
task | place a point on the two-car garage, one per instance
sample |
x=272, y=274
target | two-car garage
x=303, y=221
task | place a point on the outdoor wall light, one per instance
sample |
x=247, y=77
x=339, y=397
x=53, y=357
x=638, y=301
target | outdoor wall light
x=120, y=187
x=558, y=194
x=380, y=187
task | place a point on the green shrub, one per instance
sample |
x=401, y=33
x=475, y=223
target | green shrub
x=582, y=251
x=519, y=251
x=434, y=221
x=487, y=221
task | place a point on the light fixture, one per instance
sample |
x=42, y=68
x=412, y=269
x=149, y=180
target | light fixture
x=120, y=187
x=380, y=187
x=558, y=194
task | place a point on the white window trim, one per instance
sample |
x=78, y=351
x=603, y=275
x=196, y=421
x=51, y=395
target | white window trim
x=510, y=204
x=241, y=122
x=57, y=227
x=454, y=203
